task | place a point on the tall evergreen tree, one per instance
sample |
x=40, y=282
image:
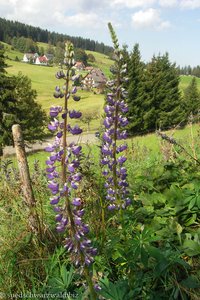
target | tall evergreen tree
x=192, y=98
x=135, y=91
x=2, y=60
x=162, y=105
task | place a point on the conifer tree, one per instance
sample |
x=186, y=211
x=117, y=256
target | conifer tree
x=162, y=104
x=2, y=60
x=135, y=91
x=192, y=98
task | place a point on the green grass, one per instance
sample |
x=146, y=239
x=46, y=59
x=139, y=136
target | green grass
x=42, y=78
x=185, y=81
x=12, y=54
x=44, y=82
x=149, y=144
x=102, y=61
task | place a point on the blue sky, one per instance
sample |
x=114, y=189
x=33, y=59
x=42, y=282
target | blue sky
x=157, y=25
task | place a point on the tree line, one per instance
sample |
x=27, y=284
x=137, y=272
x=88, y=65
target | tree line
x=27, y=45
x=188, y=70
x=155, y=100
x=10, y=29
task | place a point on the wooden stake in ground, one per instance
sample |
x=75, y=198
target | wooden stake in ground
x=33, y=219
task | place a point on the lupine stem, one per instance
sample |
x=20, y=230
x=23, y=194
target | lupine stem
x=93, y=294
x=64, y=173
x=102, y=221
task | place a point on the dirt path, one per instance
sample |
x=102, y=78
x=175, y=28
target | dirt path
x=84, y=138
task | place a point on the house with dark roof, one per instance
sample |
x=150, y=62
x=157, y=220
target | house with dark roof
x=79, y=65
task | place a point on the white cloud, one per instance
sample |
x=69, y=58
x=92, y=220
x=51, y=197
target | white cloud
x=47, y=13
x=80, y=20
x=86, y=15
x=187, y=4
x=149, y=18
x=132, y=3
x=168, y=3
x=190, y=4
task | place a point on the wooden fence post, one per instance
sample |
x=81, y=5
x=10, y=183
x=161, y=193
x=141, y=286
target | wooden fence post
x=33, y=218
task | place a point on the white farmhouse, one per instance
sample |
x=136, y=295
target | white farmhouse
x=30, y=57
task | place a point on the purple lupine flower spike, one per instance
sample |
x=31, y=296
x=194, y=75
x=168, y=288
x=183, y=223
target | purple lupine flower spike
x=65, y=189
x=115, y=122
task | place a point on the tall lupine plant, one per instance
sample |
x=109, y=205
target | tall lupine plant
x=115, y=122
x=63, y=172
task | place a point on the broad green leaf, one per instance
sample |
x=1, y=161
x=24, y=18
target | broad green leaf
x=179, y=229
x=191, y=282
x=192, y=203
x=191, y=220
x=198, y=202
x=191, y=247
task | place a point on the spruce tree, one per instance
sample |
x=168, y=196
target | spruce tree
x=162, y=105
x=2, y=59
x=192, y=98
x=135, y=91
x=7, y=103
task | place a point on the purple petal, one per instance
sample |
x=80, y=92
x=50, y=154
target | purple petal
x=54, y=200
x=76, y=202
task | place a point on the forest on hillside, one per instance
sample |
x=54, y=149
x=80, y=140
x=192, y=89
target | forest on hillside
x=10, y=29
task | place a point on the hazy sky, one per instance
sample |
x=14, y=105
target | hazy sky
x=157, y=25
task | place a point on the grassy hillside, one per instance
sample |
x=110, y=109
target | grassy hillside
x=102, y=61
x=44, y=82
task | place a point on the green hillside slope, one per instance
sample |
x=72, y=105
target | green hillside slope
x=44, y=82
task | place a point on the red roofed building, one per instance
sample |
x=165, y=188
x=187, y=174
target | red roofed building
x=41, y=60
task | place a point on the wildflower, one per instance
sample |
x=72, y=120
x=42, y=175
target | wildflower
x=115, y=121
x=65, y=200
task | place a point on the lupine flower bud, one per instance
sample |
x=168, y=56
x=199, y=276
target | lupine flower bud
x=76, y=98
x=60, y=74
x=73, y=114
